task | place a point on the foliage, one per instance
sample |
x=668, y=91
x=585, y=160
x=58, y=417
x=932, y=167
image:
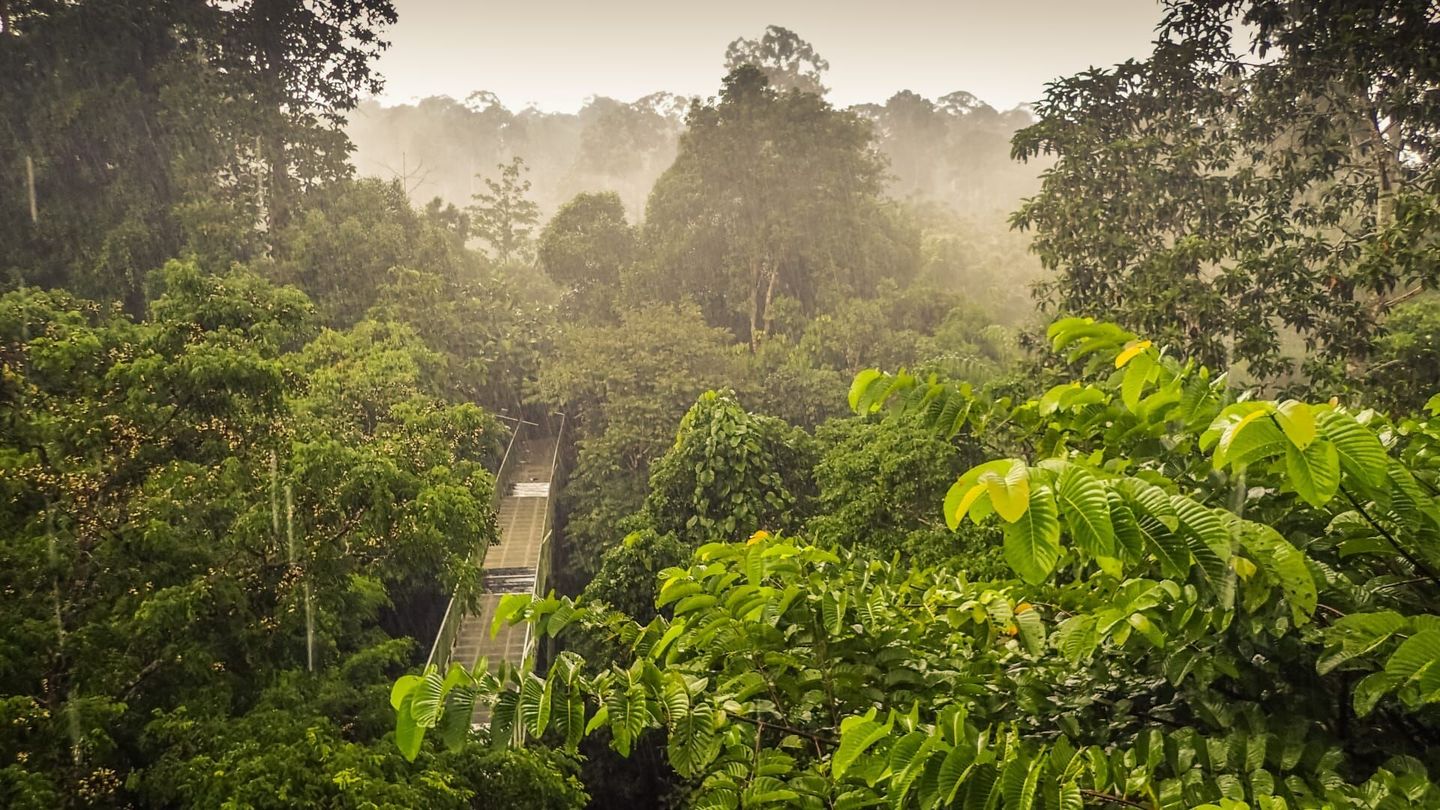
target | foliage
x=354, y=238
x=504, y=216
x=629, y=570
x=157, y=127
x=624, y=387
x=178, y=489
x=1154, y=650
x=771, y=194
x=489, y=339
x=879, y=483
x=1405, y=370
x=729, y=474
x=1216, y=199
x=585, y=247
x=788, y=62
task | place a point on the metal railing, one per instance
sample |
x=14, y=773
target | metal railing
x=542, y=566
x=450, y=625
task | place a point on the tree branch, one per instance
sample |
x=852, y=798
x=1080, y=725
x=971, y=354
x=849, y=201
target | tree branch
x=1111, y=798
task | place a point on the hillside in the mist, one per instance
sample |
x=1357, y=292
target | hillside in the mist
x=954, y=150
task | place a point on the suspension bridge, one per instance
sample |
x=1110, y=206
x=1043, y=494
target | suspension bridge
x=519, y=563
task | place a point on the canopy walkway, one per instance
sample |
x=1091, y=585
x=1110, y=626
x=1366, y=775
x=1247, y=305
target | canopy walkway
x=519, y=563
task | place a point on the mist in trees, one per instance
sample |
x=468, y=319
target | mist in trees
x=915, y=453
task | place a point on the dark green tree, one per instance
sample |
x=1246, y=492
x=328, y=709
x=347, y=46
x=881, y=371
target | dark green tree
x=1218, y=197
x=584, y=248
x=772, y=194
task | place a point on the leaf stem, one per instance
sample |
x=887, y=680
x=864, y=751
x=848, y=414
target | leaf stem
x=1411, y=558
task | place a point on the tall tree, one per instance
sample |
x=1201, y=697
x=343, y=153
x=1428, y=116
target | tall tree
x=307, y=64
x=186, y=126
x=772, y=194
x=585, y=246
x=789, y=62
x=1218, y=196
x=504, y=216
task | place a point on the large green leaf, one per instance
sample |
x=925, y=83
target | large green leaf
x=1417, y=664
x=1285, y=564
x=1357, y=635
x=1210, y=543
x=408, y=733
x=1362, y=456
x=534, y=705
x=1297, y=421
x=1082, y=500
x=857, y=734
x=862, y=381
x=1314, y=471
x=1138, y=372
x=1032, y=543
x=1248, y=435
x=1010, y=490
x=969, y=490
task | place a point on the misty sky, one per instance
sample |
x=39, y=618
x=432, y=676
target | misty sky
x=555, y=53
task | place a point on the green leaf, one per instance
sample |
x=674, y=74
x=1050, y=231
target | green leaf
x=953, y=770
x=1314, y=471
x=509, y=606
x=1009, y=492
x=408, y=734
x=857, y=734
x=1137, y=374
x=1083, y=502
x=959, y=500
x=1298, y=422
x=862, y=381
x=1285, y=564
x=1077, y=637
x=964, y=485
x=1357, y=635
x=1249, y=435
x=1417, y=663
x=1362, y=456
x=1032, y=543
x=1369, y=690
x=1210, y=540
x=403, y=686
x=533, y=706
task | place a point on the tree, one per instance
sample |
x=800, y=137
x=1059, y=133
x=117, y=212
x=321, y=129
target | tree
x=1218, y=199
x=186, y=127
x=584, y=248
x=771, y=195
x=729, y=474
x=789, y=62
x=624, y=387
x=307, y=65
x=503, y=216
x=352, y=240
x=199, y=503
x=878, y=482
x=1160, y=640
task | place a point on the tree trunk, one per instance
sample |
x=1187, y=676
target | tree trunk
x=754, y=305
x=769, y=296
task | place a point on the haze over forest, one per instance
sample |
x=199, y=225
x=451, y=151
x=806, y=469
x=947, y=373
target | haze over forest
x=774, y=446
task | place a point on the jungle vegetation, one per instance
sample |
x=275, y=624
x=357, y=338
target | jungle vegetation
x=918, y=454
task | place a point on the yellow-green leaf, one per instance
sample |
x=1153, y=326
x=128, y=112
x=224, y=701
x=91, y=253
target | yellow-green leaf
x=1010, y=492
x=1298, y=422
x=1131, y=351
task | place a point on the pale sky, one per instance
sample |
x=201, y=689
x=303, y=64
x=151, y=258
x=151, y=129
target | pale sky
x=556, y=53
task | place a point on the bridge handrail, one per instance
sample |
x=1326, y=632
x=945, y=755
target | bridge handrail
x=542, y=568
x=450, y=625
